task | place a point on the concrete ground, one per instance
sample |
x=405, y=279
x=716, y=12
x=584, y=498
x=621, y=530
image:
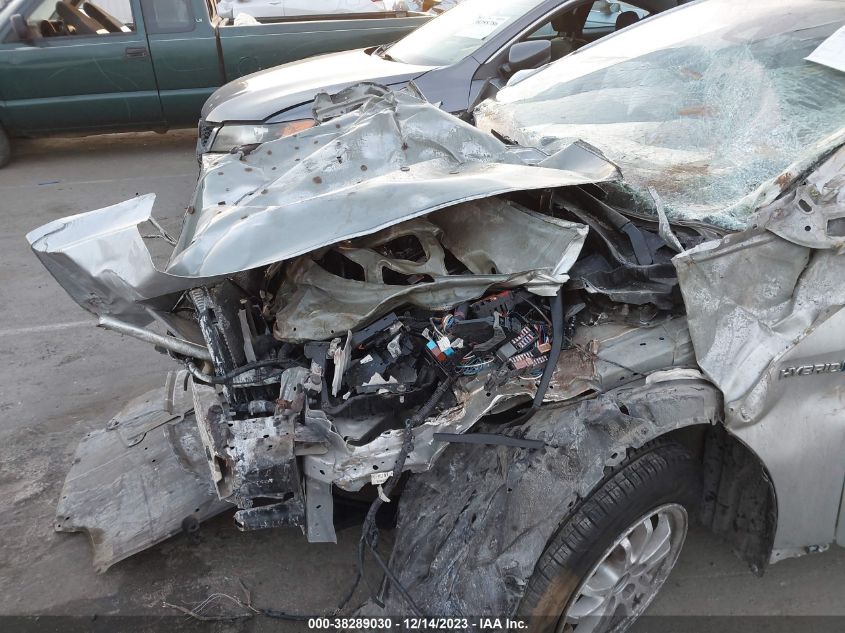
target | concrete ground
x=62, y=378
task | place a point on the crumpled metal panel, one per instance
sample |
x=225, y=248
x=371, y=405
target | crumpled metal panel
x=497, y=236
x=130, y=495
x=791, y=282
x=153, y=409
x=738, y=328
x=608, y=355
x=451, y=566
x=742, y=328
x=101, y=261
x=766, y=313
x=771, y=340
x=502, y=244
x=813, y=214
x=394, y=159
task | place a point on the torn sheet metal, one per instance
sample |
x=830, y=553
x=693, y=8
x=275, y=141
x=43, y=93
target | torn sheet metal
x=609, y=355
x=140, y=480
x=471, y=530
x=813, y=213
x=790, y=283
x=394, y=159
x=101, y=260
x=501, y=244
x=771, y=341
x=766, y=310
x=741, y=329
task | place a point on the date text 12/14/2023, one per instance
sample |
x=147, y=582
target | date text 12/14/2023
x=418, y=624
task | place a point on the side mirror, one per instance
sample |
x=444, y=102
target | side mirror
x=615, y=7
x=523, y=55
x=21, y=28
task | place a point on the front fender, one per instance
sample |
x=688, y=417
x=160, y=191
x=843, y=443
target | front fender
x=483, y=515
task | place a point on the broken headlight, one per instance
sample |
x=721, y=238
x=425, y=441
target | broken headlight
x=231, y=136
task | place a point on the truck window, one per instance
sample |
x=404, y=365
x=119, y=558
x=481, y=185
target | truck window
x=168, y=16
x=58, y=19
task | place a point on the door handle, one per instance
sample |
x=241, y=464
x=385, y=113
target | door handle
x=139, y=51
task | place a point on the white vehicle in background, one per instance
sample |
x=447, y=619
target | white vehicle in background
x=603, y=16
x=432, y=6
x=285, y=8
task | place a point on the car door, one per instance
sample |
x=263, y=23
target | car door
x=561, y=26
x=79, y=74
x=603, y=15
x=569, y=26
x=186, y=61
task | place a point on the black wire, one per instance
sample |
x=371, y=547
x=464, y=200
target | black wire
x=538, y=310
x=391, y=576
x=369, y=531
x=554, y=355
x=227, y=378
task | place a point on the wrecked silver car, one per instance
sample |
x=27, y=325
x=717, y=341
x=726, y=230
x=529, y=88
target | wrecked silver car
x=609, y=309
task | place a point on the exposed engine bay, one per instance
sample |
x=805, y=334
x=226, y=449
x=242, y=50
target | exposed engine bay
x=327, y=354
x=325, y=362
x=526, y=352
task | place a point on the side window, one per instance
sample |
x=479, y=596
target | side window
x=606, y=17
x=168, y=16
x=545, y=32
x=563, y=30
x=68, y=18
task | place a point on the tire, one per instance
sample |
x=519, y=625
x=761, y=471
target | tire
x=658, y=486
x=5, y=148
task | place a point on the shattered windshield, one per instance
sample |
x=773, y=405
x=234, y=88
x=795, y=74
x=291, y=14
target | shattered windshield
x=705, y=103
x=460, y=32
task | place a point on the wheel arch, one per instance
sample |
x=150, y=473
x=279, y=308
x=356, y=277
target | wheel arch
x=483, y=514
x=739, y=502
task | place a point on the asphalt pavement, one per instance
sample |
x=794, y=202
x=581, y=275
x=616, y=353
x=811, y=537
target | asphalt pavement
x=61, y=378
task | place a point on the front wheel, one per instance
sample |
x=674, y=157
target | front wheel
x=612, y=554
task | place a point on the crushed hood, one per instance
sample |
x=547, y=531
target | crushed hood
x=258, y=96
x=395, y=159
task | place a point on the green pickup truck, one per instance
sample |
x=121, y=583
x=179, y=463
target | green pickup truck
x=76, y=67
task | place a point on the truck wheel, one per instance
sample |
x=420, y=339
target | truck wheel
x=614, y=551
x=5, y=148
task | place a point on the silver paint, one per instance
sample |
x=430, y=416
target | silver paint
x=785, y=310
